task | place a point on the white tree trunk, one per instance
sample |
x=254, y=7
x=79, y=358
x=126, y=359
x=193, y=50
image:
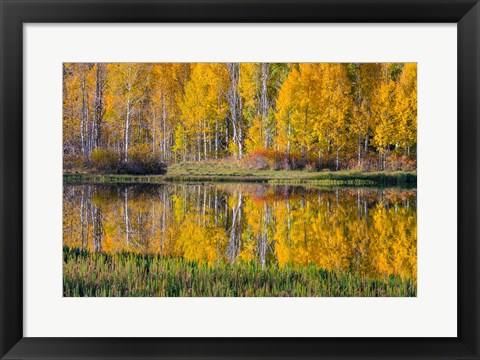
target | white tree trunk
x=127, y=131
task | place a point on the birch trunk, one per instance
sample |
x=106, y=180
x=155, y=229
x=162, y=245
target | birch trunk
x=82, y=123
x=127, y=131
x=264, y=104
x=204, y=140
x=127, y=220
x=97, y=229
x=164, y=128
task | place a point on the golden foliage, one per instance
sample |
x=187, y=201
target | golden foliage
x=369, y=232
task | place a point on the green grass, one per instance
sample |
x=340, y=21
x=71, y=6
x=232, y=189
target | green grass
x=127, y=274
x=222, y=171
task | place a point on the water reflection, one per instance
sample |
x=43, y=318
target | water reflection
x=371, y=232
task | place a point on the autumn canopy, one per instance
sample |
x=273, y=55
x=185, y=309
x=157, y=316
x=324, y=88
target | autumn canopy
x=272, y=115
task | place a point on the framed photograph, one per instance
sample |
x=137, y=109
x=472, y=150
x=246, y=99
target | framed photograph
x=236, y=179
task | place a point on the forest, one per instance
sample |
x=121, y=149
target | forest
x=143, y=117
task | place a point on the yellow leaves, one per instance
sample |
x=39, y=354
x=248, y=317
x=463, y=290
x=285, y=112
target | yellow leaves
x=178, y=208
x=197, y=243
x=406, y=106
x=384, y=115
x=109, y=245
x=203, y=101
x=395, y=110
x=394, y=240
x=180, y=139
x=313, y=102
x=184, y=111
x=254, y=139
x=249, y=84
x=128, y=80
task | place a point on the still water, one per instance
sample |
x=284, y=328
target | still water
x=367, y=231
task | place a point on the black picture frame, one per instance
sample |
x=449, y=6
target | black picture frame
x=14, y=13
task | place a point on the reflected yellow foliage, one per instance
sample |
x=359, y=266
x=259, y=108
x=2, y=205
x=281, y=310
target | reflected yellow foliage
x=370, y=232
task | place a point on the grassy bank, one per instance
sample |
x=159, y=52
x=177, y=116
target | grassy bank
x=212, y=171
x=127, y=274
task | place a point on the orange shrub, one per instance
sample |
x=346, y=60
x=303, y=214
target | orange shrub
x=401, y=162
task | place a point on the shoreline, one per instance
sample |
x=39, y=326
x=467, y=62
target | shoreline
x=326, y=178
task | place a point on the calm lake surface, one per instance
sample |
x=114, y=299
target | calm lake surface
x=366, y=231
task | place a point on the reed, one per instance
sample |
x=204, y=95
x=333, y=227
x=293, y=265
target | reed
x=92, y=274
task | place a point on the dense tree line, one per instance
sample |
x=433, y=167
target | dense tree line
x=278, y=115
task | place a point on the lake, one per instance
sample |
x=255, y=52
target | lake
x=366, y=232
